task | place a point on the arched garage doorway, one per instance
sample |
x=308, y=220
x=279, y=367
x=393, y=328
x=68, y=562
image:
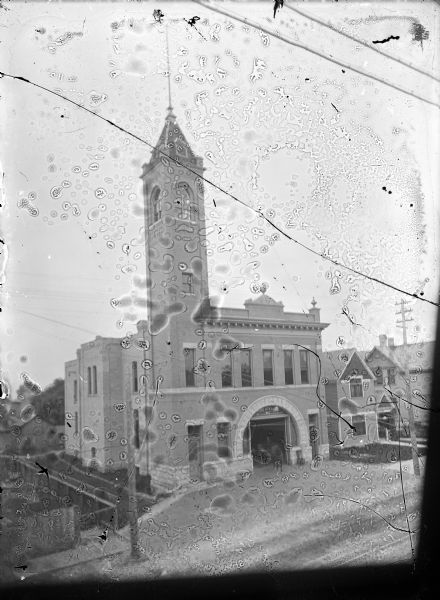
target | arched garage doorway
x=271, y=425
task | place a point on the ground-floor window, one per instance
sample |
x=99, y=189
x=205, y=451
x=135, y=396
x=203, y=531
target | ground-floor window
x=358, y=421
x=224, y=440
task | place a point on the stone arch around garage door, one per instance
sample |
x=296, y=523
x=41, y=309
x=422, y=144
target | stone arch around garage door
x=291, y=409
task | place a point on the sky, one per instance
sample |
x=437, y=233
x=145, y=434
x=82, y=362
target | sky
x=344, y=164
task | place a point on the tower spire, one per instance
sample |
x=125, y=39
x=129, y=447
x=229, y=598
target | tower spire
x=170, y=107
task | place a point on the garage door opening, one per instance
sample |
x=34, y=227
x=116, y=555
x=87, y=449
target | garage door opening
x=269, y=436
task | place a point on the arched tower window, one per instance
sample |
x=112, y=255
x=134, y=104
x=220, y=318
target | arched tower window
x=185, y=201
x=156, y=208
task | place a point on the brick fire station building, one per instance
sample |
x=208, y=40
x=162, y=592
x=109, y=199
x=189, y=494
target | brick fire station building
x=223, y=389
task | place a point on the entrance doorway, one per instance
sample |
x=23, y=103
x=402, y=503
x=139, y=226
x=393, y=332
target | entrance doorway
x=269, y=436
x=195, y=451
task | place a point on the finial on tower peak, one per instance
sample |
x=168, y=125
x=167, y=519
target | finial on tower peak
x=170, y=106
x=314, y=303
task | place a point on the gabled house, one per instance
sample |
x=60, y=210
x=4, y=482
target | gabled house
x=349, y=391
x=369, y=391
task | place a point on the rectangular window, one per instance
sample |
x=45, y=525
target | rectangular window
x=227, y=367
x=75, y=391
x=134, y=376
x=288, y=367
x=89, y=380
x=358, y=421
x=136, y=428
x=76, y=422
x=379, y=375
x=391, y=376
x=268, y=367
x=187, y=283
x=356, y=390
x=190, y=363
x=304, y=366
x=95, y=381
x=245, y=367
x=223, y=440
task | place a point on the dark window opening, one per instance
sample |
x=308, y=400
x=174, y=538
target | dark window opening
x=304, y=366
x=95, y=381
x=190, y=363
x=288, y=367
x=76, y=422
x=245, y=367
x=156, y=205
x=391, y=376
x=89, y=380
x=356, y=390
x=136, y=428
x=379, y=375
x=223, y=440
x=268, y=367
x=134, y=375
x=227, y=368
x=358, y=421
x=75, y=391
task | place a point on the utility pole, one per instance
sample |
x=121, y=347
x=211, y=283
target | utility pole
x=412, y=430
x=131, y=479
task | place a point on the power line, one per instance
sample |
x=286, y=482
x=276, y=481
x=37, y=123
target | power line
x=358, y=41
x=220, y=189
x=316, y=52
x=56, y=321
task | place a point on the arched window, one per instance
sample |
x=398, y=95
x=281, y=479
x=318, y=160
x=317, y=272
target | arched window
x=185, y=201
x=156, y=208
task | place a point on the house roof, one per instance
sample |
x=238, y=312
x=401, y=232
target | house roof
x=357, y=365
x=419, y=356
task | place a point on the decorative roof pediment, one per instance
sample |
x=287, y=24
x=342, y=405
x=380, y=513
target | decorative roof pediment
x=264, y=299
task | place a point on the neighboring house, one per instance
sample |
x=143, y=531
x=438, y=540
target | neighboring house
x=368, y=389
x=222, y=386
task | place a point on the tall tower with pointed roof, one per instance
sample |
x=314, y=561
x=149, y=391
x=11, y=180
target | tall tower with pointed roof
x=177, y=272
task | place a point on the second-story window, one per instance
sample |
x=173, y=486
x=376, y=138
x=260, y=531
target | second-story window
x=288, y=367
x=304, y=366
x=187, y=283
x=227, y=367
x=76, y=422
x=89, y=380
x=356, y=390
x=245, y=367
x=190, y=363
x=75, y=391
x=134, y=376
x=268, y=367
x=391, y=376
x=379, y=375
x=94, y=380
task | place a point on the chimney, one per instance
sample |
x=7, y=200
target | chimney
x=382, y=340
x=391, y=342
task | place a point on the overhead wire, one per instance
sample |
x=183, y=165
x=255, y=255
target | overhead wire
x=256, y=211
x=358, y=41
x=287, y=40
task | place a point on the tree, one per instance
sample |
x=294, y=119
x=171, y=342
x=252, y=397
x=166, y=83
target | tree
x=49, y=405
